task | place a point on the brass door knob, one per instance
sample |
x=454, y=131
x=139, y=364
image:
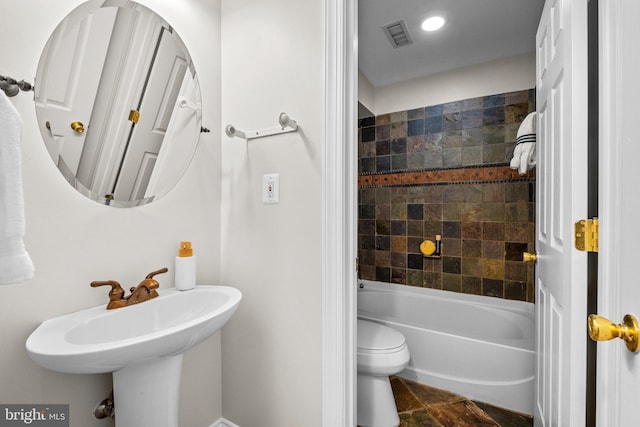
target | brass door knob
x=77, y=127
x=528, y=257
x=602, y=329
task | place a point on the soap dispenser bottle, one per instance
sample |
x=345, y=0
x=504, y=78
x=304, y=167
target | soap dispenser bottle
x=185, y=269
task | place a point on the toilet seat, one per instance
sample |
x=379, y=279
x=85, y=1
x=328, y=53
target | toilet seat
x=382, y=351
x=377, y=337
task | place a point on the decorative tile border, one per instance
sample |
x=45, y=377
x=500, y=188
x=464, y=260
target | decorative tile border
x=443, y=176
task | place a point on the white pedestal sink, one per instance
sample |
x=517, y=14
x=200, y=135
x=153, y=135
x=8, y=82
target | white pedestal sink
x=142, y=345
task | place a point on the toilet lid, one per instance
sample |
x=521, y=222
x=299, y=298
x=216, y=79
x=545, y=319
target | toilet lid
x=374, y=336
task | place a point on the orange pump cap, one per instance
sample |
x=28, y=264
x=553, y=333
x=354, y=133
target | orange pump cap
x=185, y=249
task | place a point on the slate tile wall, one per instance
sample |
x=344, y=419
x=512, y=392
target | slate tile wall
x=443, y=169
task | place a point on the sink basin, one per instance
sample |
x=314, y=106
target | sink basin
x=141, y=344
x=97, y=340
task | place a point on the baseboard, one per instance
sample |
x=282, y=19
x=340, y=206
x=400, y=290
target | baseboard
x=223, y=423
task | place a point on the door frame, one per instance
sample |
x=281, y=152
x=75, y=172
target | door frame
x=339, y=197
x=608, y=391
x=340, y=221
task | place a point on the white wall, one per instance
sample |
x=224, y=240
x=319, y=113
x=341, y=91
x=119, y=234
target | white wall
x=366, y=92
x=73, y=240
x=490, y=78
x=272, y=61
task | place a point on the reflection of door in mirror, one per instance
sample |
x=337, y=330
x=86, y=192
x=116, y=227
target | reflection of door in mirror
x=120, y=90
x=120, y=155
x=183, y=127
x=102, y=63
x=66, y=95
x=157, y=104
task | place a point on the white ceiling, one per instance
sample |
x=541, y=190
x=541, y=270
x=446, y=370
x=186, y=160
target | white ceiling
x=477, y=31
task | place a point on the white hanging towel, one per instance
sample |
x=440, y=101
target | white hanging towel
x=15, y=264
x=524, y=155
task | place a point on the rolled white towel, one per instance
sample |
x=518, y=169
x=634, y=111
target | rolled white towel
x=15, y=264
x=524, y=155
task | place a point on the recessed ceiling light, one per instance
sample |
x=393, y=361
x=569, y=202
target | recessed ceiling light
x=433, y=23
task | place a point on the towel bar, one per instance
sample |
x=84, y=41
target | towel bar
x=286, y=125
x=11, y=87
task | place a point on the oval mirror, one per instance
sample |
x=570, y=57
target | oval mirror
x=118, y=102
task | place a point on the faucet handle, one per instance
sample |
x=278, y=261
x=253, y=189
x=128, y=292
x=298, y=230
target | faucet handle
x=149, y=283
x=153, y=273
x=116, y=293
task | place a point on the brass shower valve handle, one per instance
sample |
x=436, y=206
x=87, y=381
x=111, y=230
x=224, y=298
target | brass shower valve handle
x=145, y=290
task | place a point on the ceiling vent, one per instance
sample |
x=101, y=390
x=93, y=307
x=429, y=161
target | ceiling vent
x=398, y=34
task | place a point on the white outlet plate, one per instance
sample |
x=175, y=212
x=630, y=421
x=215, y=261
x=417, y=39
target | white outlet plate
x=271, y=189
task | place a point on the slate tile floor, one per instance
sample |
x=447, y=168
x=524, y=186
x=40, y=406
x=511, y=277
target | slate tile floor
x=423, y=406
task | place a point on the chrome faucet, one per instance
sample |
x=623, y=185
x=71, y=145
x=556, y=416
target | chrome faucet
x=145, y=291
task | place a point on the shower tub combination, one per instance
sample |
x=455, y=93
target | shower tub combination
x=476, y=346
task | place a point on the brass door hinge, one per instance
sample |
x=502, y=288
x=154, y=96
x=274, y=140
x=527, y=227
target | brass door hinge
x=134, y=116
x=586, y=235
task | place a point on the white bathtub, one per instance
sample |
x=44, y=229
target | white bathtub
x=479, y=347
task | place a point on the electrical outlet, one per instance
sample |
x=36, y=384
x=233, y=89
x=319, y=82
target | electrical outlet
x=271, y=189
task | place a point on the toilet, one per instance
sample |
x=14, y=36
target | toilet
x=382, y=351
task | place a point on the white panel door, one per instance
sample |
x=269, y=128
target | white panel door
x=561, y=282
x=73, y=59
x=618, y=371
x=159, y=100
